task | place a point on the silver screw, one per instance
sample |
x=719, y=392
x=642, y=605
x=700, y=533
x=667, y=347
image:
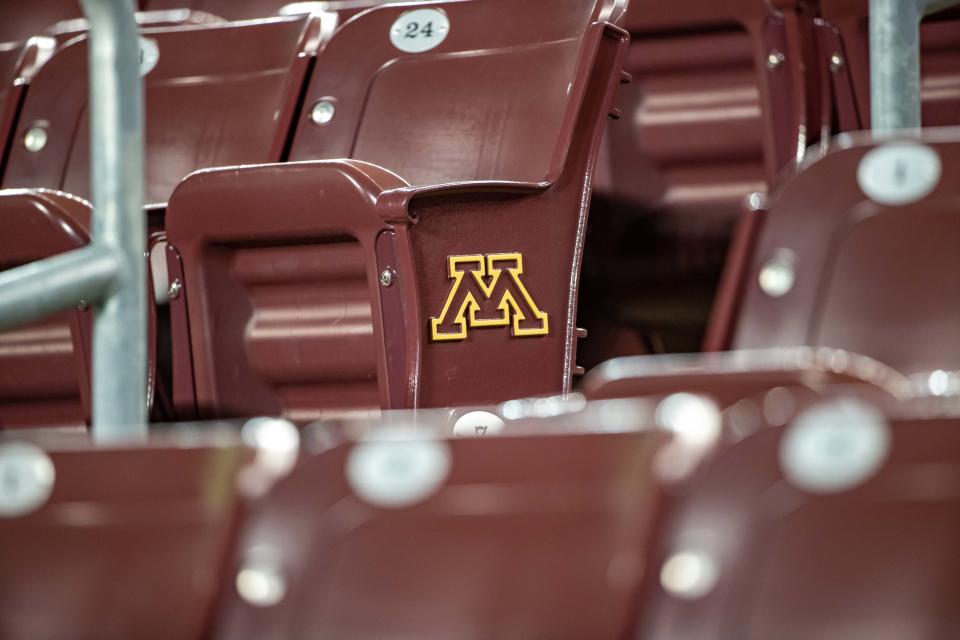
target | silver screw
x=386, y=277
x=174, y=291
x=775, y=59
x=35, y=139
x=322, y=112
x=836, y=62
x=83, y=305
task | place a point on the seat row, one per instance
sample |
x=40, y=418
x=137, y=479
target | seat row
x=278, y=305
x=438, y=247
x=804, y=512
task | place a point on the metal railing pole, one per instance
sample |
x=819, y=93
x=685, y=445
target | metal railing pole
x=895, y=62
x=119, y=224
x=41, y=288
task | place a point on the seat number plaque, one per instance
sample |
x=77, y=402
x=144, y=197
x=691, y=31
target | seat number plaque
x=419, y=30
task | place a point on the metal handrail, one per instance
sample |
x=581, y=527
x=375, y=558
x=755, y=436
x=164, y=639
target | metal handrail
x=895, y=62
x=109, y=273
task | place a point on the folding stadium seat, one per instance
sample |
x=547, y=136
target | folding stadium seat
x=843, y=523
x=843, y=49
x=718, y=84
x=116, y=543
x=725, y=97
x=315, y=288
x=222, y=94
x=20, y=61
x=849, y=60
x=216, y=95
x=399, y=531
x=44, y=367
x=732, y=376
x=856, y=253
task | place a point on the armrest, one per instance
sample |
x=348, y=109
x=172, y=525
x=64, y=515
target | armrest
x=282, y=268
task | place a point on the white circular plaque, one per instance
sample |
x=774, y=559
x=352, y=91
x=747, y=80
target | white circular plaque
x=477, y=423
x=397, y=470
x=899, y=173
x=834, y=447
x=419, y=30
x=26, y=479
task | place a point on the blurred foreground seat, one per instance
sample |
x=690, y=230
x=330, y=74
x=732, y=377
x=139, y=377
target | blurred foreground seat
x=839, y=519
x=118, y=542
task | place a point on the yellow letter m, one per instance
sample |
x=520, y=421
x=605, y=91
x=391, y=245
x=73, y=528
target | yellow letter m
x=470, y=301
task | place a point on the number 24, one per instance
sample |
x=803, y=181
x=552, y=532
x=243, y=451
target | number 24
x=414, y=30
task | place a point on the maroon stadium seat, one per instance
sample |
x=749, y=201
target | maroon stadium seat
x=534, y=532
x=843, y=50
x=732, y=376
x=708, y=106
x=128, y=542
x=834, y=268
x=218, y=95
x=310, y=287
x=20, y=60
x=842, y=523
x=44, y=366
x=188, y=97
x=725, y=97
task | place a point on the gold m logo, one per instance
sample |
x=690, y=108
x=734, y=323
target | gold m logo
x=462, y=309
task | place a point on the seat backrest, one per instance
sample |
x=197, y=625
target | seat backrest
x=22, y=20
x=44, y=366
x=530, y=534
x=391, y=108
x=724, y=98
x=115, y=543
x=873, y=273
x=217, y=95
x=841, y=523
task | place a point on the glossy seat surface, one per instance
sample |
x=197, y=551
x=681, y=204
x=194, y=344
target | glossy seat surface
x=502, y=148
x=218, y=95
x=872, y=278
